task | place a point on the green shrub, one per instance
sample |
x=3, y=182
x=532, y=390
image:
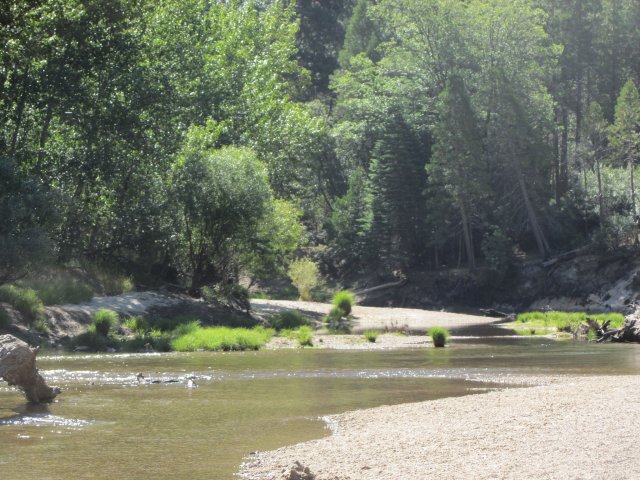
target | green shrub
x=222, y=338
x=344, y=300
x=136, y=324
x=93, y=341
x=304, y=276
x=304, y=336
x=40, y=325
x=371, y=335
x=103, y=321
x=336, y=322
x=25, y=300
x=438, y=336
x=335, y=315
x=288, y=320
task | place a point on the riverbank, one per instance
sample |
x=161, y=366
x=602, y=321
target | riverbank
x=380, y=318
x=581, y=427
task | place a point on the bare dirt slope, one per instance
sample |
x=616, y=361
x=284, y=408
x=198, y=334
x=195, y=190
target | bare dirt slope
x=548, y=432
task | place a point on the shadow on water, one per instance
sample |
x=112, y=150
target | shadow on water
x=24, y=413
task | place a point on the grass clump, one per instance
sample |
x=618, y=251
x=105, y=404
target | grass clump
x=288, y=320
x=438, y=336
x=336, y=321
x=545, y=322
x=371, y=335
x=136, y=324
x=104, y=320
x=222, y=338
x=25, y=300
x=304, y=336
x=344, y=300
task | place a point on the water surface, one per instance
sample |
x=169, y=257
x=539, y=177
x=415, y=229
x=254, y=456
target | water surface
x=107, y=425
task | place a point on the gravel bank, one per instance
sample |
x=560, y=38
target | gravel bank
x=570, y=428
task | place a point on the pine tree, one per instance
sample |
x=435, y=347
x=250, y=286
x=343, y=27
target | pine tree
x=398, y=181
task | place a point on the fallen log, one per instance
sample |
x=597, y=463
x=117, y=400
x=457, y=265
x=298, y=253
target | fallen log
x=18, y=367
x=630, y=331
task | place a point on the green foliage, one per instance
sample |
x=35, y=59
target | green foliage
x=336, y=314
x=65, y=292
x=304, y=275
x=25, y=300
x=186, y=328
x=104, y=320
x=398, y=181
x=344, y=300
x=543, y=322
x=439, y=336
x=25, y=212
x=351, y=222
x=136, y=324
x=222, y=338
x=224, y=194
x=371, y=335
x=497, y=249
x=288, y=320
x=336, y=321
x=304, y=336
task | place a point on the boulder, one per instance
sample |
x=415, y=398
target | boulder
x=18, y=367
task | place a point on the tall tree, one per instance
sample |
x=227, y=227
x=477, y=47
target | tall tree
x=458, y=162
x=625, y=134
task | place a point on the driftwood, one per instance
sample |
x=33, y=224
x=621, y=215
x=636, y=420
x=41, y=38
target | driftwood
x=492, y=312
x=18, y=367
x=402, y=280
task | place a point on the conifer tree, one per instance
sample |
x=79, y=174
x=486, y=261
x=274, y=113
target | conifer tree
x=398, y=181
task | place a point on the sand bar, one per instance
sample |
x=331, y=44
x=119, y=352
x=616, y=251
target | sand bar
x=570, y=428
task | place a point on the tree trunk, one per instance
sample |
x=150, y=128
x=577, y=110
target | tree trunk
x=563, y=180
x=600, y=194
x=18, y=367
x=541, y=241
x=468, y=239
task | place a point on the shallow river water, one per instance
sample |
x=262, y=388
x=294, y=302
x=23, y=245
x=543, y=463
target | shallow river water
x=106, y=424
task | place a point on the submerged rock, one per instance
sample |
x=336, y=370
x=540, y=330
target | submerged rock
x=18, y=367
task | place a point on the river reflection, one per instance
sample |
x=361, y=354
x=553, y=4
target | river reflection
x=108, y=424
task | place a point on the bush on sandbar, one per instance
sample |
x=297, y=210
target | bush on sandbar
x=439, y=336
x=345, y=301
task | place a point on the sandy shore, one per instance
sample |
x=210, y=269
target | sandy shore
x=570, y=428
x=380, y=318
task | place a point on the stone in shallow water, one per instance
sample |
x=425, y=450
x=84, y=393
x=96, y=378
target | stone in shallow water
x=18, y=367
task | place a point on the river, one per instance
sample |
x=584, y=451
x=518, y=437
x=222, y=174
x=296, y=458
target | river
x=107, y=424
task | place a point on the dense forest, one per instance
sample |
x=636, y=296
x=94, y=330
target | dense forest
x=193, y=142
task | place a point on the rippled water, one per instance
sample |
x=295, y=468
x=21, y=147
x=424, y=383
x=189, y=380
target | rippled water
x=107, y=424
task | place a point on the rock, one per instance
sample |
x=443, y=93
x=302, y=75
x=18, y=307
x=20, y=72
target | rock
x=299, y=472
x=18, y=367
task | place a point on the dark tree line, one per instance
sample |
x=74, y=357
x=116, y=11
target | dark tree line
x=194, y=141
